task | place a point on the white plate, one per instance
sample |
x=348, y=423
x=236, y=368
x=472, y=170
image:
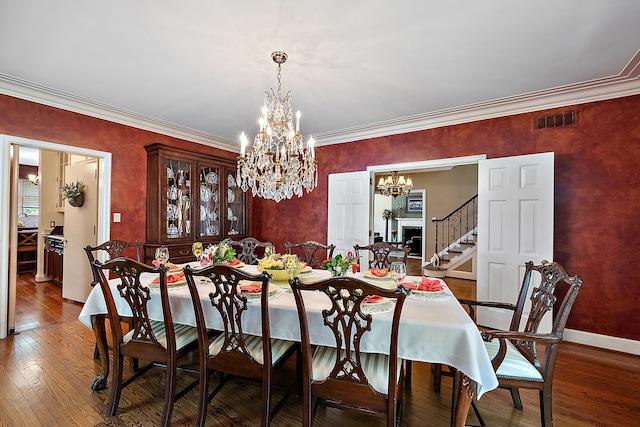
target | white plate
x=230, y=196
x=211, y=178
x=369, y=275
x=273, y=289
x=231, y=181
x=205, y=193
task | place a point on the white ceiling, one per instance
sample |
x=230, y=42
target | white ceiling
x=204, y=65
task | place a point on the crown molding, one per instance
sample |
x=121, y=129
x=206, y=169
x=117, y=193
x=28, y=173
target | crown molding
x=44, y=95
x=627, y=83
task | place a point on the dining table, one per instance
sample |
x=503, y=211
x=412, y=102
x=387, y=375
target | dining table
x=434, y=327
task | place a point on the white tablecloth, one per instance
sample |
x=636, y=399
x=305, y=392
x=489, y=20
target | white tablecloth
x=430, y=331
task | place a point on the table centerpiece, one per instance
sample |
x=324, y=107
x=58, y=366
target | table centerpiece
x=281, y=267
x=217, y=254
x=339, y=265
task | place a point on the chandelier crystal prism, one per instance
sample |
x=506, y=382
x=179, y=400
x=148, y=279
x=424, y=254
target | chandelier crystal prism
x=395, y=185
x=279, y=164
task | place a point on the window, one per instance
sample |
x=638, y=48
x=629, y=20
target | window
x=29, y=199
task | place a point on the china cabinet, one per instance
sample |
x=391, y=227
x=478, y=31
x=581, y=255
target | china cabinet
x=191, y=197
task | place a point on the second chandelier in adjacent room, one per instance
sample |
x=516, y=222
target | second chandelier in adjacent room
x=395, y=185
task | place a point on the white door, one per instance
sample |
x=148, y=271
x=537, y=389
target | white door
x=515, y=225
x=80, y=228
x=348, y=210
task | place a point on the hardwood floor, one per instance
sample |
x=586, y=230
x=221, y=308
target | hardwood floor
x=41, y=304
x=45, y=374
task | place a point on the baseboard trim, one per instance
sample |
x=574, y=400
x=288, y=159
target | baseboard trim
x=602, y=341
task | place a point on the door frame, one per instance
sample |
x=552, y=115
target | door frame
x=421, y=166
x=7, y=304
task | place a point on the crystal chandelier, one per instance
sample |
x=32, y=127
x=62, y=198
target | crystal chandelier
x=277, y=165
x=395, y=185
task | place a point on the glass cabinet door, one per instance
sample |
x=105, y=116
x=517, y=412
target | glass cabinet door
x=210, y=202
x=178, y=185
x=236, y=206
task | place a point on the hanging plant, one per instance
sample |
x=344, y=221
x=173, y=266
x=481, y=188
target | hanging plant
x=73, y=192
x=387, y=214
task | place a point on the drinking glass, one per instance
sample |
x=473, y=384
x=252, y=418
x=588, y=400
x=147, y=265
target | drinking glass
x=196, y=248
x=162, y=254
x=399, y=271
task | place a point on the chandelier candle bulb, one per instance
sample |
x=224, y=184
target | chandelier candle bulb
x=298, y=121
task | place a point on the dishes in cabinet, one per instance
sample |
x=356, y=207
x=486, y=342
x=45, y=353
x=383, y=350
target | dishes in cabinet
x=169, y=173
x=211, y=178
x=205, y=193
x=172, y=193
x=172, y=212
x=215, y=197
x=172, y=231
x=230, y=196
x=231, y=181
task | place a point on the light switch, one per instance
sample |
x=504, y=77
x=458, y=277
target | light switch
x=116, y=217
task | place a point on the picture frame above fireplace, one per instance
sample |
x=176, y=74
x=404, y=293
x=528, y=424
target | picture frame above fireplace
x=414, y=204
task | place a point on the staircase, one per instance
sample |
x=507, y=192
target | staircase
x=456, y=243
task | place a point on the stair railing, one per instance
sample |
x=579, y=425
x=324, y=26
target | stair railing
x=457, y=224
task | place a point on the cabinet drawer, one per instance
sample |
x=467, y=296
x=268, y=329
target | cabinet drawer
x=178, y=254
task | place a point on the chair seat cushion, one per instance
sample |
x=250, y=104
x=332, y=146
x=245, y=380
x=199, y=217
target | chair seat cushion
x=374, y=365
x=254, y=346
x=514, y=365
x=185, y=334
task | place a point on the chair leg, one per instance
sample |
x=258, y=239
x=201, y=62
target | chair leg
x=116, y=385
x=203, y=397
x=546, y=413
x=266, y=398
x=169, y=394
x=515, y=395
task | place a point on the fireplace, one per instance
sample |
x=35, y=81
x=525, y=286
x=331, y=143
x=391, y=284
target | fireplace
x=412, y=237
x=410, y=230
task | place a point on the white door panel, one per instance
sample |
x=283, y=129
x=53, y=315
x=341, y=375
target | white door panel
x=515, y=225
x=80, y=228
x=348, y=210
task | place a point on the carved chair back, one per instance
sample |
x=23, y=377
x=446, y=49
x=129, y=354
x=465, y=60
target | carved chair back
x=347, y=383
x=381, y=254
x=247, y=252
x=309, y=251
x=136, y=294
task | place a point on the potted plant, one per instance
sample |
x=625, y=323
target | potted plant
x=387, y=214
x=73, y=192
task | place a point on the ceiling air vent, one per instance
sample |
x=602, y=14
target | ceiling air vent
x=557, y=120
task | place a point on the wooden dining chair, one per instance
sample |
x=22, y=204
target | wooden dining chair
x=233, y=352
x=309, y=251
x=160, y=342
x=343, y=376
x=247, y=252
x=521, y=356
x=384, y=254
x=109, y=250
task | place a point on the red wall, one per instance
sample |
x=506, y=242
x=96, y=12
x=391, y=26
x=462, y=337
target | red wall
x=129, y=159
x=597, y=186
x=597, y=196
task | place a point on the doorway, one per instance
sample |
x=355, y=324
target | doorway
x=444, y=185
x=8, y=223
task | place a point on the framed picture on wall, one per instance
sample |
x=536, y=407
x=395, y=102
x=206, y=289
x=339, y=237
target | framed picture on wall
x=414, y=204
